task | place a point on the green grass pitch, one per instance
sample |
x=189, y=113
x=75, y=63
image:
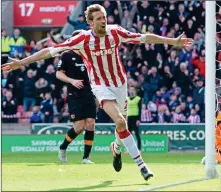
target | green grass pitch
x=43, y=172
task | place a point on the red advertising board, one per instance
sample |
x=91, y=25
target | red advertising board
x=41, y=13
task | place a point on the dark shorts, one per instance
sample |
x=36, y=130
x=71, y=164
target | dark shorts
x=82, y=108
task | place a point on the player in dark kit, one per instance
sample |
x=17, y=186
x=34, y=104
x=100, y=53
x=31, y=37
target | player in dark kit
x=81, y=102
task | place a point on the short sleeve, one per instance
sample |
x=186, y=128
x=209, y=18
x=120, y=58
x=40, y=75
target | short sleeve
x=75, y=42
x=126, y=36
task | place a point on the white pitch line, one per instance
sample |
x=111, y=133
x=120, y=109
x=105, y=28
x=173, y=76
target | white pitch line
x=172, y=184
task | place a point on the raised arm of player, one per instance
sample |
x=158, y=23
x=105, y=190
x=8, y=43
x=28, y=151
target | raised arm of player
x=137, y=38
x=72, y=43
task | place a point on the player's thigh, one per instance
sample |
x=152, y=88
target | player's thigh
x=75, y=106
x=89, y=112
x=89, y=107
x=121, y=98
x=102, y=93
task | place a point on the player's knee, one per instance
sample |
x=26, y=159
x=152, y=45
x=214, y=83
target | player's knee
x=90, y=123
x=121, y=124
x=79, y=126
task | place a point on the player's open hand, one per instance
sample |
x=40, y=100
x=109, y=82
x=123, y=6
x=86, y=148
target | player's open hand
x=77, y=83
x=181, y=41
x=13, y=65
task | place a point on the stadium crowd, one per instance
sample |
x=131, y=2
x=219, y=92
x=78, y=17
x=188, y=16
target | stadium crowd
x=169, y=79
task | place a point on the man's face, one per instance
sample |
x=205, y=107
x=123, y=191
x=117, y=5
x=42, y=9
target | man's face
x=199, y=83
x=30, y=74
x=81, y=18
x=99, y=22
x=16, y=32
x=47, y=96
x=4, y=33
x=9, y=94
x=132, y=91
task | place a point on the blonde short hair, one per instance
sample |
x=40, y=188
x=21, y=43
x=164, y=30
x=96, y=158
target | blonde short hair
x=93, y=8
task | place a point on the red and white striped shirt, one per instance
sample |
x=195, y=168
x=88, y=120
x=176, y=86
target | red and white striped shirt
x=146, y=115
x=102, y=53
x=194, y=119
x=178, y=117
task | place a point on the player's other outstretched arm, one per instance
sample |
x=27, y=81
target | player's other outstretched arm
x=16, y=64
x=137, y=38
x=181, y=40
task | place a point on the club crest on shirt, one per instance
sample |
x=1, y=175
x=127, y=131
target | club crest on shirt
x=59, y=63
x=72, y=116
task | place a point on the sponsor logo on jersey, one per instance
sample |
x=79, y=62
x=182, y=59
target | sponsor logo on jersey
x=103, y=52
x=79, y=64
x=73, y=58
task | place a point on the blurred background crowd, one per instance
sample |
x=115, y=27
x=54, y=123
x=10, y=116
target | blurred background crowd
x=170, y=80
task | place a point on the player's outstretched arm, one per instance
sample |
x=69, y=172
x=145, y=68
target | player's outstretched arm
x=181, y=40
x=16, y=64
x=72, y=43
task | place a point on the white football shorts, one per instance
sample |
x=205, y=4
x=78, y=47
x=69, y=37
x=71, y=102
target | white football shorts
x=119, y=94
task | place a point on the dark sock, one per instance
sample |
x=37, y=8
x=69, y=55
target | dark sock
x=88, y=141
x=70, y=136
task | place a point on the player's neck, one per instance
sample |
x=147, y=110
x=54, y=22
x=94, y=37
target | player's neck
x=96, y=34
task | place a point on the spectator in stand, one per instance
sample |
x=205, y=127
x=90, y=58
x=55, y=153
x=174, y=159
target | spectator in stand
x=7, y=80
x=65, y=115
x=173, y=102
x=42, y=87
x=9, y=108
x=184, y=109
x=50, y=77
x=167, y=77
x=182, y=77
x=190, y=28
x=193, y=118
x=182, y=15
x=189, y=102
x=153, y=108
x=146, y=115
x=151, y=85
x=199, y=39
x=145, y=10
x=47, y=108
x=199, y=62
x=79, y=24
x=5, y=42
x=17, y=43
x=36, y=116
x=151, y=21
x=178, y=116
x=199, y=96
x=63, y=99
x=127, y=16
x=4, y=92
x=161, y=115
x=29, y=90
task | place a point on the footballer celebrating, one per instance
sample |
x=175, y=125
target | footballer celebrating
x=99, y=46
x=81, y=102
